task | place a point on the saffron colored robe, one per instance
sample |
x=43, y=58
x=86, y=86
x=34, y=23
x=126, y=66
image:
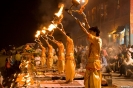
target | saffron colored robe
x=61, y=58
x=92, y=78
x=43, y=56
x=70, y=62
x=50, y=57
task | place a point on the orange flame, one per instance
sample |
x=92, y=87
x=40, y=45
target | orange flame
x=60, y=11
x=43, y=31
x=83, y=1
x=78, y=1
x=37, y=34
x=83, y=6
x=52, y=26
x=44, y=28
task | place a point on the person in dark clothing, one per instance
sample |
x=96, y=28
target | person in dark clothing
x=79, y=56
x=7, y=66
x=120, y=60
x=131, y=51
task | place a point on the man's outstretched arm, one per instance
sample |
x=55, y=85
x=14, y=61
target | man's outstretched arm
x=53, y=40
x=86, y=23
x=82, y=27
x=62, y=31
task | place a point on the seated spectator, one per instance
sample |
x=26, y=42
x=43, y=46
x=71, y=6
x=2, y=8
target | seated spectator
x=124, y=50
x=128, y=47
x=11, y=60
x=3, y=51
x=105, y=51
x=8, y=66
x=37, y=59
x=120, y=60
x=79, y=55
x=127, y=64
x=131, y=51
x=112, y=63
x=103, y=62
x=18, y=58
x=83, y=58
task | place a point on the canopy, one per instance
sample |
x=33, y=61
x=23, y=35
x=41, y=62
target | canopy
x=118, y=30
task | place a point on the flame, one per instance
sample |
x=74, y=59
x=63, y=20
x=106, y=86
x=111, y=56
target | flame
x=83, y=6
x=60, y=11
x=52, y=26
x=44, y=28
x=78, y=1
x=83, y=1
x=43, y=31
x=14, y=74
x=37, y=34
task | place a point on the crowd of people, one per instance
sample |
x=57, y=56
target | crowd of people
x=114, y=58
x=95, y=58
x=12, y=63
x=118, y=59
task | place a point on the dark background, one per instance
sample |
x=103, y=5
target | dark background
x=20, y=19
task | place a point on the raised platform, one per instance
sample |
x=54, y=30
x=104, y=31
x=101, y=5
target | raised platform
x=55, y=76
x=58, y=84
x=52, y=74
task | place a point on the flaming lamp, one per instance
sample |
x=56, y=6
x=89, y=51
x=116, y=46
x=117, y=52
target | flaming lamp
x=76, y=2
x=58, y=16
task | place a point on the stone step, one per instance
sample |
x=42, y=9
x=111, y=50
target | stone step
x=50, y=76
x=57, y=84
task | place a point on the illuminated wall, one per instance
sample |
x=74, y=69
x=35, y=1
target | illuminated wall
x=131, y=22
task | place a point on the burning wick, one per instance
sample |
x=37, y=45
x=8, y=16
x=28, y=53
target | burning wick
x=60, y=11
x=51, y=27
x=83, y=1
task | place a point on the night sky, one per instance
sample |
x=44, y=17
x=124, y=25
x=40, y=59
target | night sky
x=17, y=22
x=20, y=19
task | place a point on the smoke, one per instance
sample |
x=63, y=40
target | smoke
x=68, y=22
x=46, y=11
